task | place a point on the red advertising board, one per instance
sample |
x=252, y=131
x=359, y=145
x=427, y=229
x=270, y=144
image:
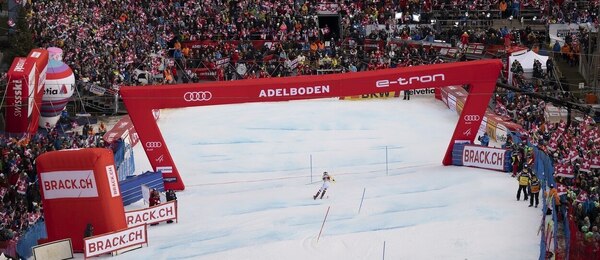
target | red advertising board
x=480, y=75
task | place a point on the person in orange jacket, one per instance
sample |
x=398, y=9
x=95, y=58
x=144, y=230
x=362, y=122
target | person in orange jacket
x=552, y=193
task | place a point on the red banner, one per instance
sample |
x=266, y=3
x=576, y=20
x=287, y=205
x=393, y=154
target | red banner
x=258, y=44
x=123, y=129
x=481, y=75
x=26, y=81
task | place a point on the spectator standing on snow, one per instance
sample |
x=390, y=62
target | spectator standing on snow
x=523, y=179
x=171, y=196
x=534, y=191
x=89, y=230
x=154, y=200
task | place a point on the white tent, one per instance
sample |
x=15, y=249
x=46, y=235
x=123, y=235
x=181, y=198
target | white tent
x=526, y=59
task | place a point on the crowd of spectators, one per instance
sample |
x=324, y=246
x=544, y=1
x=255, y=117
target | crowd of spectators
x=571, y=143
x=109, y=43
x=20, y=204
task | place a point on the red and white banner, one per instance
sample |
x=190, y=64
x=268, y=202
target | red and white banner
x=162, y=212
x=26, y=80
x=481, y=75
x=110, y=242
x=327, y=8
x=257, y=44
x=484, y=157
x=69, y=184
x=113, y=181
x=123, y=129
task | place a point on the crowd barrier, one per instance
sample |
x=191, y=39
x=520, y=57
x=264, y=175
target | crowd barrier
x=130, y=187
x=124, y=160
x=30, y=239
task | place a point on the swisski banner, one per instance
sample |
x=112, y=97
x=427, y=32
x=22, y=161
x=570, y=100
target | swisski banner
x=25, y=89
x=480, y=75
x=485, y=157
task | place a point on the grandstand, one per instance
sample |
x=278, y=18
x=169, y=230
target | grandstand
x=190, y=42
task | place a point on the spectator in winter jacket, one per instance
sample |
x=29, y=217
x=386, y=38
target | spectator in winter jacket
x=534, y=191
x=484, y=139
x=523, y=179
x=89, y=230
x=154, y=200
x=171, y=196
x=516, y=162
x=552, y=194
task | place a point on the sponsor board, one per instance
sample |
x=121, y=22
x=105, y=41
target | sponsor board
x=60, y=249
x=501, y=133
x=299, y=91
x=69, y=184
x=113, y=181
x=384, y=83
x=170, y=179
x=452, y=102
x=106, y=243
x=164, y=169
x=484, y=157
x=162, y=212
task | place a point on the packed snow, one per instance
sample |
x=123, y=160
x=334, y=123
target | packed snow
x=251, y=171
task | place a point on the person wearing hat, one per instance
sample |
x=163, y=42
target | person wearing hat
x=552, y=193
x=534, y=191
x=326, y=181
x=484, y=139
x=170, y=196
x=523, y=179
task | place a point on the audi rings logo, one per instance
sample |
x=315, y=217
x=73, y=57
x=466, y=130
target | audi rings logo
x=197, y=96
x=472, y=118
x=153, y=144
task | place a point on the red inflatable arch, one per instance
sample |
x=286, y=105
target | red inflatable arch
x=480, y=75
x=80, y=187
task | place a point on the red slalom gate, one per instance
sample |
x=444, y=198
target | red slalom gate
x=480, y=75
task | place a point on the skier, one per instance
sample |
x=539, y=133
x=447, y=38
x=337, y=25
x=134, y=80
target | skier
x=326, y=180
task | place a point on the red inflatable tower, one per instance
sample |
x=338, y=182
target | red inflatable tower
x=79, y=187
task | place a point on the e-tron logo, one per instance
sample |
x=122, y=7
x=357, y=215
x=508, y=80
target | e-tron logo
x=197, y=96
x=471, y=118
x=412, y=80
x=153, y=145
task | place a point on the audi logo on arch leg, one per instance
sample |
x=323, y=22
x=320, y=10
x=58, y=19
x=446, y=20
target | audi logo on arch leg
x=197, y=96
x=471, y=118
x=153, y=144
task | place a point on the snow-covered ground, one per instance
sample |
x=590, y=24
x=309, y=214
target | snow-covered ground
x=250, y=172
